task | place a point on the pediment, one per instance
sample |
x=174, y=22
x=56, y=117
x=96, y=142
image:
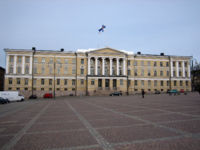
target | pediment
x=107, y=51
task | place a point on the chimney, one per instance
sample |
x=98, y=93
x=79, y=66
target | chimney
x=139, y=53
x=33, y=48
x=162, y=54
x=62, y=49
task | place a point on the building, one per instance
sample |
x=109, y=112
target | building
x=94, y=72
x=2, y=74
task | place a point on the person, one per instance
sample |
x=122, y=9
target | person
x=143, y=93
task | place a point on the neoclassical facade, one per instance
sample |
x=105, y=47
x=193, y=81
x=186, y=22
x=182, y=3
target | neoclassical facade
x=94, y=72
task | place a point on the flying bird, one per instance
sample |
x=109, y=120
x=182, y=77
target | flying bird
x=102, y=28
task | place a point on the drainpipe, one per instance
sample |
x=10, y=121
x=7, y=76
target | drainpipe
x=76, y=76
x=33, y=51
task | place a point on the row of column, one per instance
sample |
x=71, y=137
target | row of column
x=103, y=65
x=177, y=69
x=15, y=64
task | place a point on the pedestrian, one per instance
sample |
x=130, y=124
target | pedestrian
x=143, y=93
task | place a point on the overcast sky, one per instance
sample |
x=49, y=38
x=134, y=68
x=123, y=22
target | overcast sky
x=149, y=26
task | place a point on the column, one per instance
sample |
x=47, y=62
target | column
x=23, y=64
x=88, y=65
x=30, y=67
x=15, y=64
x=172, y=73
x=177, y=69
x=183, y=68
x=124, y=66
x=7, y=64
x=117, y=66
x=103, y=66
x=110, y=66
x=96, y=66
x=189, y=69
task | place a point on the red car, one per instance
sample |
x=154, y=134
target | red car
x=48, y=95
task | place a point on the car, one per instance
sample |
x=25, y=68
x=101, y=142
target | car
x=33, y=97
x=116, y=94
x=182, y=91
x=48, y=95
x=3, y=100
x=157, y=92
x=174, y=91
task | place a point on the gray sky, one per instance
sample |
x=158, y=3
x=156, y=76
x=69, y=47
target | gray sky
x=149, y=26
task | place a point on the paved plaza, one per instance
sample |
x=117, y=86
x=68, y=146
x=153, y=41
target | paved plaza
x=157, y=122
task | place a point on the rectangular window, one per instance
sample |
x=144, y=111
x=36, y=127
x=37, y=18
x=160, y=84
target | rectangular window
x=129, y=72
x=92, y=82
x=181, y=83
x=82, y=71
x=73, y=81
x=50, y=89
x=58, y=61
x=66, y=61
x=58, y=81
x=135, y=63
x=174, y=83
x=65, y=81
x=186, y=83
x=161, y=73
x=121, y=81
x=27, y=69
x=43, y=60
x=51, y=61
x=149, y=82
x=11, y=60
x=167, y=64
x=35, y=60
x=136, y=83
x=167, y=83
x=50, y=81
x=179, y=64
x=10, y=80
x=35, y=69
x=34, y=81
x=82, y=81
x=129, y=62
x=73, y=69
x=155, y=73
x=50, y=70
x=19, y=60
x=142, y=63
x=82, y=61
x=129, y=82
x=43, y=69
x=155, y=63
x=74, y=61
x=65, y=69
x=185, y=64
x=167, y=73
x=149, y=72
x=180, y=73
x=142, y=72
x=19, y=70
x=161, y=83
x=10, y=69
x=161, y=64
x=142, y=82
x=174, y=72
x=18, y=81
x=155, y=82
x=27, y=59
x=26, y=81
x=149, y=63
x=58, y=70
x=174, y=64
x=42, y=81
x=42, y=89
x=135, y=72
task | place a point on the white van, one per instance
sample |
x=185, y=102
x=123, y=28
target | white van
x=11, y=95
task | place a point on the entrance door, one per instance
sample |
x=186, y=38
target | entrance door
x=99, y=83
x=114, y=83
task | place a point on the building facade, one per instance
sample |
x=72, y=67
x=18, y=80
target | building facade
x=94, y=72
x=2, y=74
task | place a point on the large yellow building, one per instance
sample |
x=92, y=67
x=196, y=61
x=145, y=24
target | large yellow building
x=94, y=72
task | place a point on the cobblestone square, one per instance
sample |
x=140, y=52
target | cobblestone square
x=157, y=122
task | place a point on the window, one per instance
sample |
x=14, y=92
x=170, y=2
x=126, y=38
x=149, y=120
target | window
x=9, y=88
x=10, y=69
x=179, y=64
x=174, y=72
x=167, y=83
x=58, y=70
x=73, y=69
x=135, y=63
x=180, y=73
x=161, y=64
x=92, y=82
x=73, y=81
x=43, y=69
x=18, y=80
x=34, y=81
x=73, y=89
x=155, y=82
x=185, y=64
x=27, y=69
x=58, y=81
x=155, y=73
x=26, y=81
x=10, y=80
x=65, y=81
x=174, y=64
x=50, y=81
x=35, y=60
x=82, y=81
x=149, y=63
x=27, y=59
x=66, y=61
x=167, y=64
x=19, y=69
x=58, y=89
x=142, y=72
x=65, y=69
x=149, y=82
x=82, y=61
x=142, y=63
x=129, y=62
x=136, y=83
x=25, y=89
x=43, y=60
x=161, y=83
x=181, y=83
x=82, y=71
x=121, y=81
x=129, y=72
x=174, y=83
x=161, y=73
x=19, y=60
x=42, y=81
x=65, y=89
x=42, y=89
x=186, y=83
x=186, y=73
x=73, y=61
x=149, y=72
x=129, y=82
x=135, y=72
x=51, y=61
x=35, y=69
x=167, y=73
x=50, y=69
x=58, y=61
x=142, y=82
x=155, y=63
x=50, y=89
x=11, y=60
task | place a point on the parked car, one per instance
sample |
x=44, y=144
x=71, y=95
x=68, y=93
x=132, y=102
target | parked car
x=174, y=91
x=3, y=100
x=33, y=97
x=157, y=92
x=116, y=94
x=182, y=91
x=48, y=95
x=11, y=95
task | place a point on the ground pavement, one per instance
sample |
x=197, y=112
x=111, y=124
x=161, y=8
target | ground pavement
x=157, y=122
